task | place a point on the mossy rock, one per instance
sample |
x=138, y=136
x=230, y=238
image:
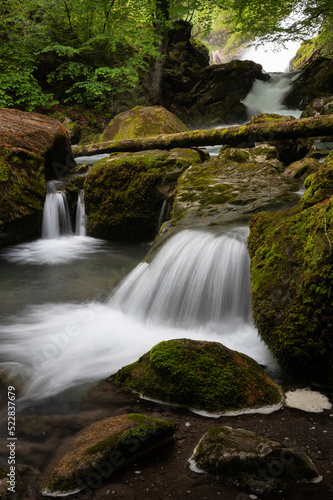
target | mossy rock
x=291, y=278
x=301, y=169
x=202, y=375
x=244, y=458
x=102, y=449
x=228, y=188
x=124, y=193
x=142, y=121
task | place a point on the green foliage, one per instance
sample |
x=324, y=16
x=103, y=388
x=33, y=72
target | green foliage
x=278, y=21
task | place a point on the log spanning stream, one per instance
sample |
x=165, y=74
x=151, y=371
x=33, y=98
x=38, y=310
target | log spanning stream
x=76, y=309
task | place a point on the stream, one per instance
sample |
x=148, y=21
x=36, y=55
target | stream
x=76, y=309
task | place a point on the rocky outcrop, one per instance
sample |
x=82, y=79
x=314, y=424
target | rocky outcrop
x=291, y=276
x=124, y=193
x=251, y=461
x=33, y=148
x=316, y=80
x=100, y=450
x=202, y=375
x=215, y=97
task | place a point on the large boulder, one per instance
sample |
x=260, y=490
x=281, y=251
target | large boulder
x=100, y=450
x=33, y=148
x=228, y=188
x=124, y=193
x=142, y=121
x=291, y=277
x=202, y=375
x=244, y=458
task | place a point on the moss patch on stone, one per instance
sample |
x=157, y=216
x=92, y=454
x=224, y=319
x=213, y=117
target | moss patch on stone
x=103, y=448
x=203, y=375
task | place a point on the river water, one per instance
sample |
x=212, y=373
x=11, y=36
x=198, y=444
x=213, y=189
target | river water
x=76, y=309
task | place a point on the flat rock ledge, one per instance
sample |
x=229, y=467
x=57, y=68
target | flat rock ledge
x=93, y=455
x=256, y=463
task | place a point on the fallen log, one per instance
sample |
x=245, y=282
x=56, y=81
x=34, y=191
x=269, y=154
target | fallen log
x=240, y=136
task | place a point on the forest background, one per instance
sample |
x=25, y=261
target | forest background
x=87, y=56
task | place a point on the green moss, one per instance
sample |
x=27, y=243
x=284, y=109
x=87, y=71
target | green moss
x=291, y=276
x=3, y=473
x=204, y=375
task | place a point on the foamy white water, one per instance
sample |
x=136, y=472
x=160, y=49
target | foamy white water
x=56, y=217
x=80, y=220
x=59, y=250
x=267, y=97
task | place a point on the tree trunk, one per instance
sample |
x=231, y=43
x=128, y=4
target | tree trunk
x=242, y=136
x=153, y=80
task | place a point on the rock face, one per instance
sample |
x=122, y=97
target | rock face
x=316, y=80
x=203, y=375
x=32, y=148
x=291, y=276
x=124, y=193
x=252, y=461
x=214, y=98
x=101, y=449
x=301, y=169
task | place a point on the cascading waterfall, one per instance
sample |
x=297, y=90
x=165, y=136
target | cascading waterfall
x=56, y=217
x=80, y=220
x=267, y=97
x=196, y=279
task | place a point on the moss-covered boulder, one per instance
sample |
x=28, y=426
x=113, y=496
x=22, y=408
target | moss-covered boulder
x=244, y=458
x=141, y=121
x=301, y=169
x=125, y=192
x=228, y=188
x=319, y=106
x=101, y=449
x=202, y=375
x=289, y=150
x=33, y=148
x=291, y=277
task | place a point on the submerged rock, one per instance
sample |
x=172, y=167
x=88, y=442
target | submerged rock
x=99, y=450
x=33, y=148
x=200, y=374
x=251, y=461
x=291, y=277
x=124, y=193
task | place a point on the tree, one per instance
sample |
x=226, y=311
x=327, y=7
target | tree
x=278, y=20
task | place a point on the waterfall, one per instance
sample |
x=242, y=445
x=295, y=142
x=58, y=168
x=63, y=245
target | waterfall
x=271, y=57
x=196, y=279
x=267, y=97
x=56, y=217
x=80, y=220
